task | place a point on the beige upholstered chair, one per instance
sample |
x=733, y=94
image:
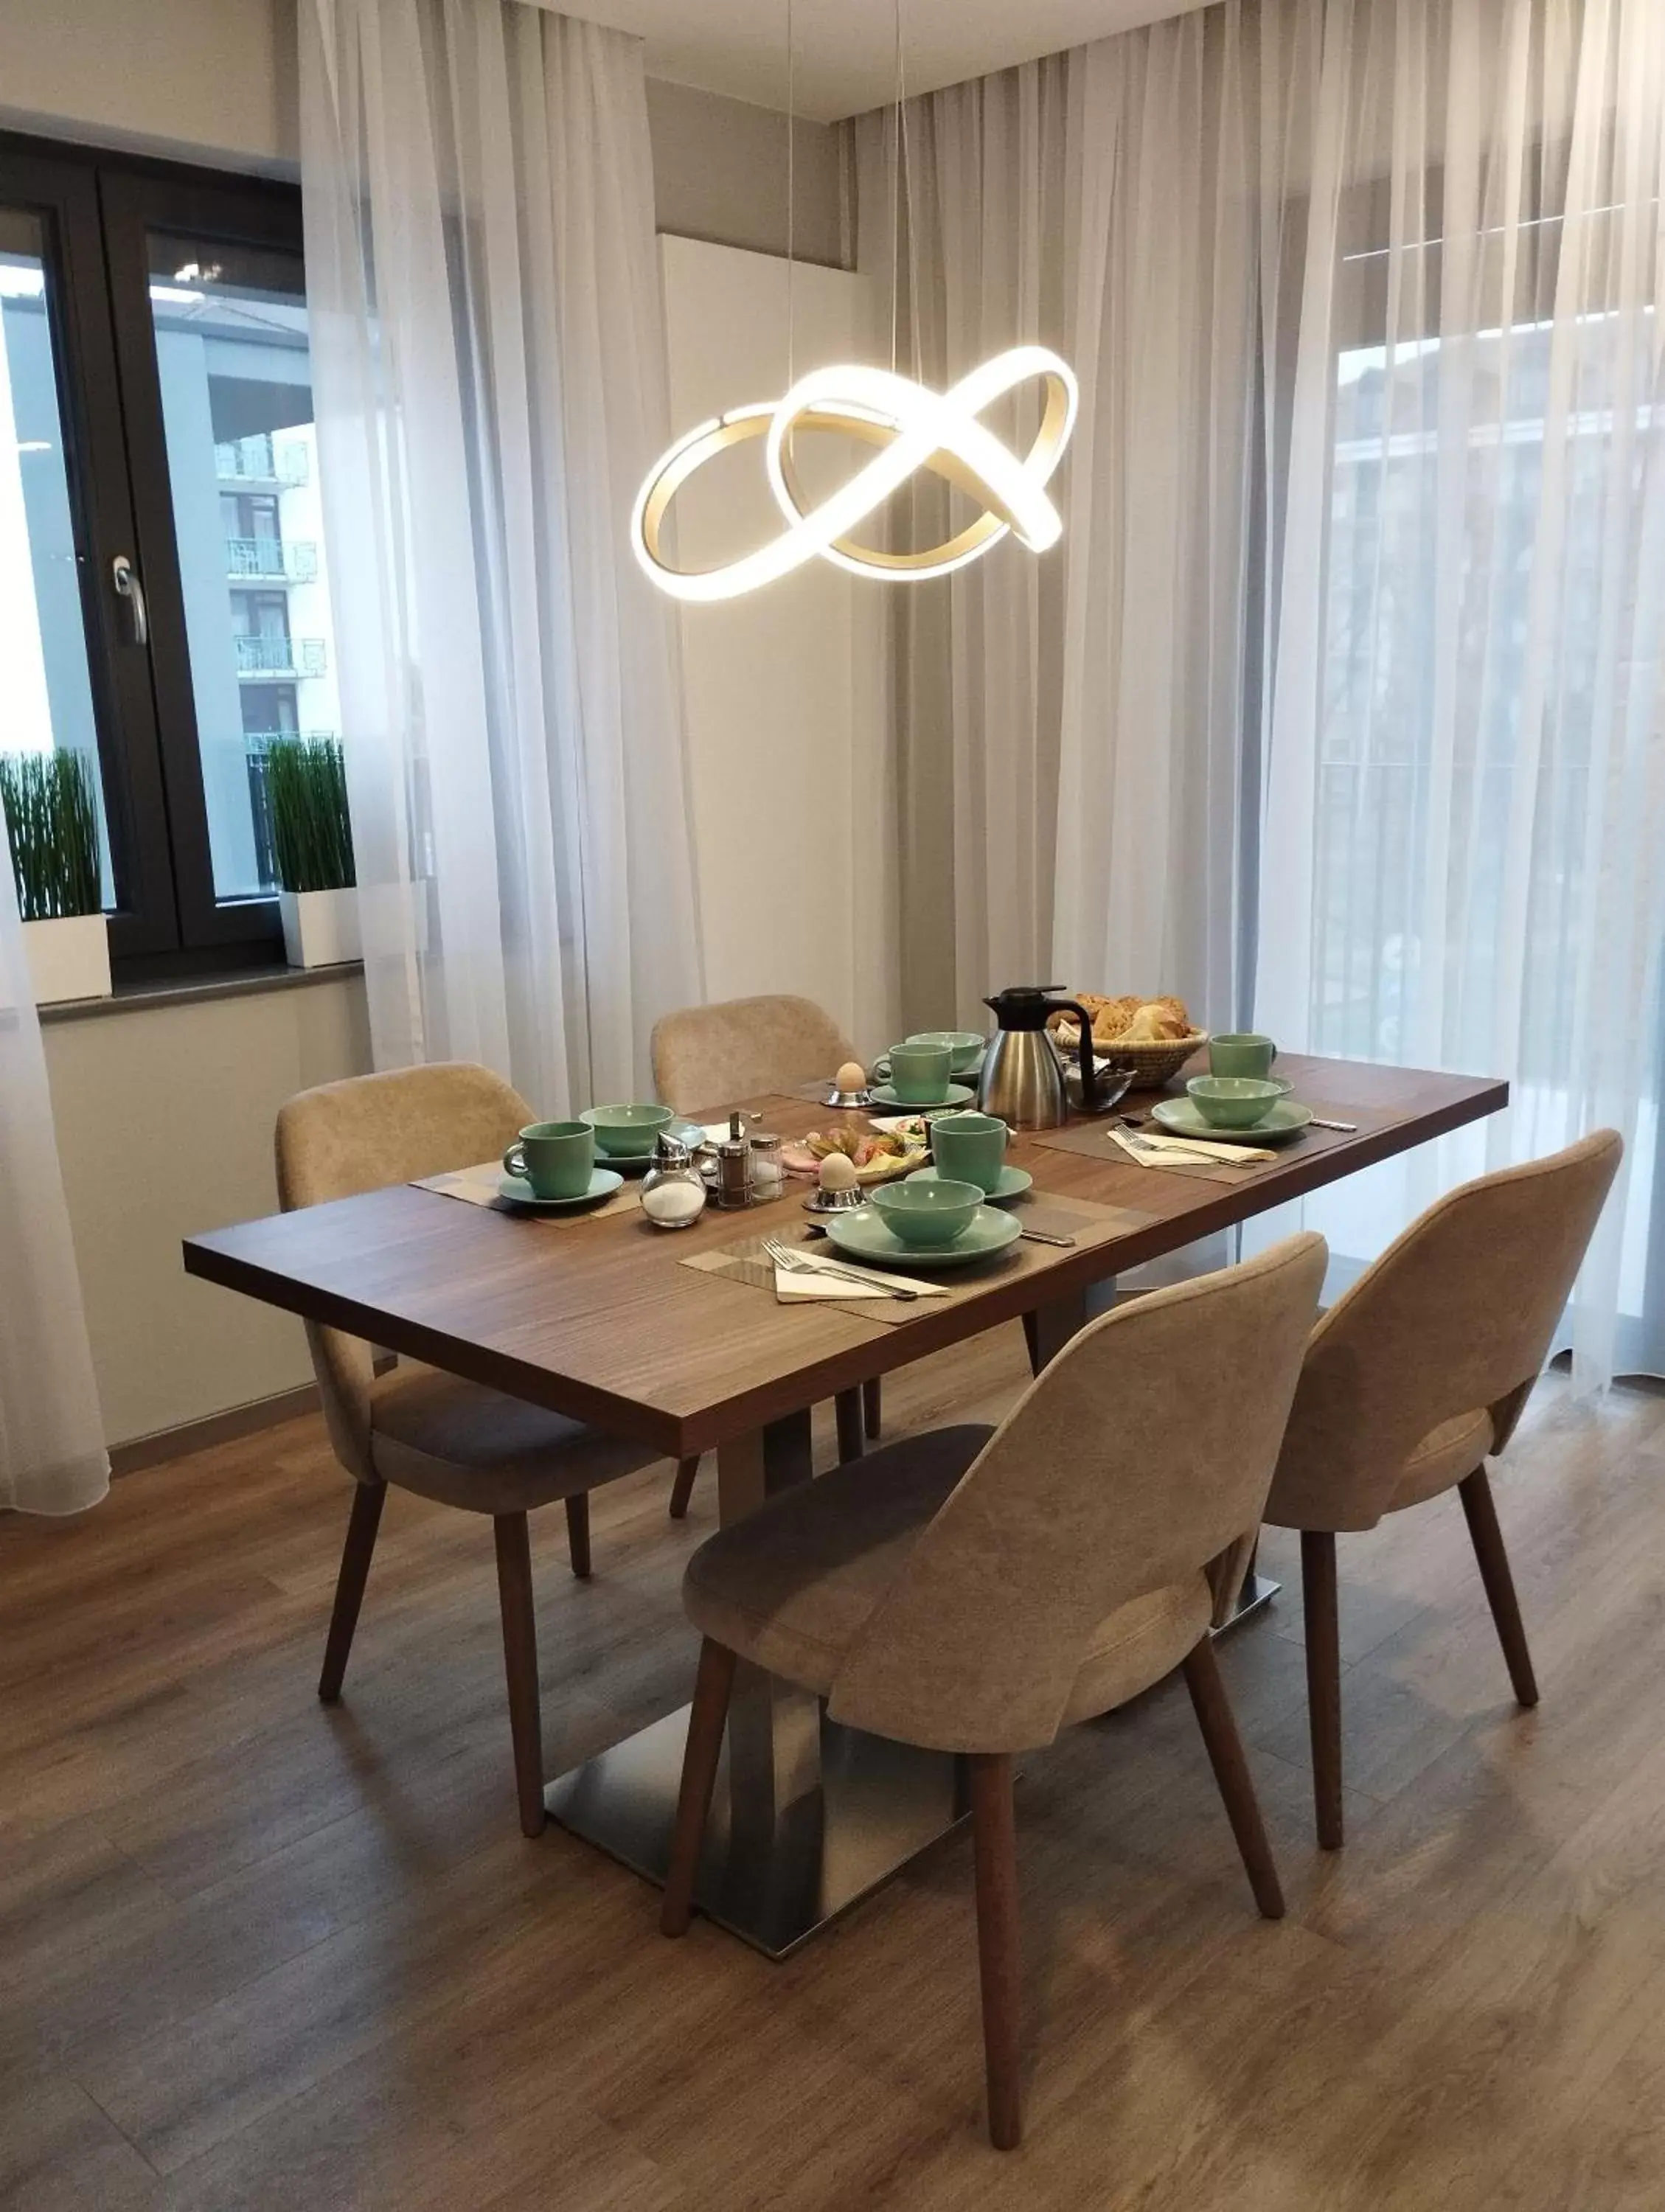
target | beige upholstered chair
x=1412, y=1378
x=428, y=1432
x=705, y=1055
x=975, y=1591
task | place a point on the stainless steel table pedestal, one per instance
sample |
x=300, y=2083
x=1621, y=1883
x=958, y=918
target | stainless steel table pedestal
x=771, y=1880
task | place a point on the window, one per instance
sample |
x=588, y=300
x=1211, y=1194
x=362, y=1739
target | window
x=163, y=598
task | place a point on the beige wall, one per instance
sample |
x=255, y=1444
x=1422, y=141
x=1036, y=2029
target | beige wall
x=719, y=173
x=164, y=1119
x=769, y=680
x=208, y=79
x=215, y=80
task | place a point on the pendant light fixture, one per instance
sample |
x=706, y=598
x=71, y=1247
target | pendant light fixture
x=912, y=426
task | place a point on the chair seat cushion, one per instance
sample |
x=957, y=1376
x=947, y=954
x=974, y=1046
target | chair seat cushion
x=793, y=1585
x=465, y=1445
x=1445, y=1455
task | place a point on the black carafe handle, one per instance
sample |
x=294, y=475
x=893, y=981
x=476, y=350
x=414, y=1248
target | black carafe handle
x=1089, y=1067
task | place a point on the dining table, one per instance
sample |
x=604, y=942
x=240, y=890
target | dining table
x=678, y=1342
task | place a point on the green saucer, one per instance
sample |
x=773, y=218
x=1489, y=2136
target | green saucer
x=1283, y=1118
x=1013, y=1182
x=864, y=1236
x=603, y=1183
x=957, y=1094
x=691, y=1134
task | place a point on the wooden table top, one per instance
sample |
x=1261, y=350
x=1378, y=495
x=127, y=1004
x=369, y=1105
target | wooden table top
x=600, y=1321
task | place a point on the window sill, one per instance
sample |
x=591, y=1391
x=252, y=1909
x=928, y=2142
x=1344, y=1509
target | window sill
x=188, y=990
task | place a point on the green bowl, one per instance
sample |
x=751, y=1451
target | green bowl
x=927, y=1213
x=1235, y=1102
x=965, y=1046
x=626, y=1132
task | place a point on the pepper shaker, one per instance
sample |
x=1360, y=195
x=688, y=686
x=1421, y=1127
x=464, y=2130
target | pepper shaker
x=734, y=1167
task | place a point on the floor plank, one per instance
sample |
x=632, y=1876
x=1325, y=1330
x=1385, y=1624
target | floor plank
x=259, y=1954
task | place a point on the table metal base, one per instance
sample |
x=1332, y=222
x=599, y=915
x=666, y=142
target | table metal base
x=1258, y=1591
x=773, y=1882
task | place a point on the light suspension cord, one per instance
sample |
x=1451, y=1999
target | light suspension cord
x=792, y=192
x=895, y=188
x=907, y=194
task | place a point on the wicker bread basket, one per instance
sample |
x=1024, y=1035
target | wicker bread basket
x=1150, y=1065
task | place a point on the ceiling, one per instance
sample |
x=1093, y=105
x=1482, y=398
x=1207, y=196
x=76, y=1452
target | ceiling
x=845, y=49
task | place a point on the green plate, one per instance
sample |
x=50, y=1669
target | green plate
x=864, y=1236
x=1284, y=1118
x=957, y=1094
x=1013, y=1182
x=603, y=1183
x=690, y=1133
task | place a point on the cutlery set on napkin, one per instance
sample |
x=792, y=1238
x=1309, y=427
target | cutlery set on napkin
x=1151, y=1149
x=801, y=1274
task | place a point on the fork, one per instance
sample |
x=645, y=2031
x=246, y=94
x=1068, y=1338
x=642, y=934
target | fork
x=799, y=1263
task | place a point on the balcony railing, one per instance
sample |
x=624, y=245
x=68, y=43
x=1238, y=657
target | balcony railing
x=260, y=460
x=286, y=560
x=280, y=656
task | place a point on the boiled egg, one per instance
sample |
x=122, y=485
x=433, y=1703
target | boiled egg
x=837, y=1172
x=851, y=1076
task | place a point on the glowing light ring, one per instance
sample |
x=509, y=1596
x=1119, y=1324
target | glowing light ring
x=915, y=427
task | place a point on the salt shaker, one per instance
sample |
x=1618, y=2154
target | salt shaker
x=769, y=1174
x=734, y=1167
x=673, y=1190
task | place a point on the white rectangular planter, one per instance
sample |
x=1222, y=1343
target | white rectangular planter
x=69, y=958
x=320, y=928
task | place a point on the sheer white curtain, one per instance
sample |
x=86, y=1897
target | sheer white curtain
x=981, y=206
x=1463, y=825
x=53, y=1458
x=488, y=364
x=1075, y=767
x=1353, y=699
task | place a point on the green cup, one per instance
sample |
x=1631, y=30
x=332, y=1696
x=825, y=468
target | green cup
x=965, y=1046
x=1244, y=1053
x=969, y=1148
x=557, y=1158
x=919, y=1073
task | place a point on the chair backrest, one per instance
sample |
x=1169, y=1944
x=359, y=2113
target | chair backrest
x=704, y=1056
x=1140, y=1456
x=364, y=1135
x=1455, y=1318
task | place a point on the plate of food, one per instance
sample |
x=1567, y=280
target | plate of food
x=876, y=1155
x=1152, y=1038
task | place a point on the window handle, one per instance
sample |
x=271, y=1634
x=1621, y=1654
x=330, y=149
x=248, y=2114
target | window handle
x=125, y=577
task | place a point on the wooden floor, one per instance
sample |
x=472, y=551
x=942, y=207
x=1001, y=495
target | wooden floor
x=253, y=1954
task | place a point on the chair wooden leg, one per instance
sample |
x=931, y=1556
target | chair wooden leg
x=1323, y=1636
x=995, y=1854
x=706, y=1723
x=852, y=1424
x=578, y=1532
x=872, y=1408
x=1481, y=1514
x=1219, y=1725
x=368, y=1499
x=683, y=1488
x=521, y=1665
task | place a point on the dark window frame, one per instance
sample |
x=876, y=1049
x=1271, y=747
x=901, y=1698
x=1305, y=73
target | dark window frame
x=96, y=210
